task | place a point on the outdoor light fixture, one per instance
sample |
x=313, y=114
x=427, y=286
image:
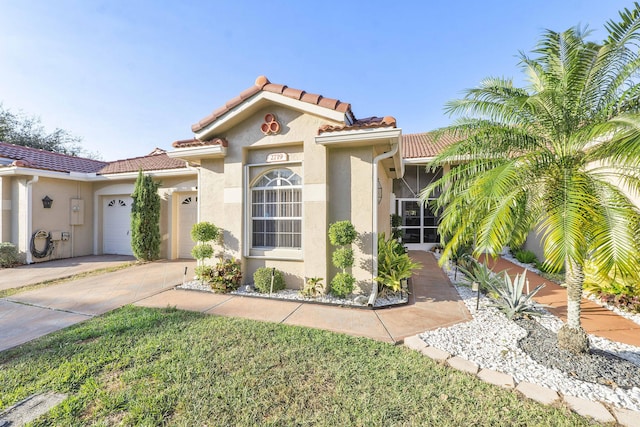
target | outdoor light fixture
x=47, y=202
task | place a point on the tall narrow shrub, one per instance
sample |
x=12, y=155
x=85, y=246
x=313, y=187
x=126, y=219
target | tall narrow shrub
x=145, y=219
x=342, y=234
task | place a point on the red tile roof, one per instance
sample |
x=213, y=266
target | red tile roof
x=47, y=160
x=366, y=123
x=263, y=84
x=155, y=161
x=185, y=143
x=417, y=145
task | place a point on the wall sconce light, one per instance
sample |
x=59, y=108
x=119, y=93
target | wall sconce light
x=47, y=202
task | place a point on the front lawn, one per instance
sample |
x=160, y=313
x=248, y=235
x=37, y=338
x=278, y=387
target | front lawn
x=147, y=366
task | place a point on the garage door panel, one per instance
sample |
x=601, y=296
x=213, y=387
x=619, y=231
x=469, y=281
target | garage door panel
x=116, y=225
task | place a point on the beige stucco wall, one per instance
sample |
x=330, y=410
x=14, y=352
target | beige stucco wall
x=351, y=199
x=57, y=218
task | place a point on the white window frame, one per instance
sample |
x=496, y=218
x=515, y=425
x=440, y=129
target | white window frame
x=283, y=253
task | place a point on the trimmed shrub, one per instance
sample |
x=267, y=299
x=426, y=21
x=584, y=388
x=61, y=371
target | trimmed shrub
x=342, y=233
x=342, y=257
x=8, y=255
x=204, y=232
x=262, y=280
x=342, y=284
x=202, y=251
x=227, y=276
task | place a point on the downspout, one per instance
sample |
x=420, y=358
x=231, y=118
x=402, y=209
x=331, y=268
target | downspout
x=374, y=229
x=29, y=227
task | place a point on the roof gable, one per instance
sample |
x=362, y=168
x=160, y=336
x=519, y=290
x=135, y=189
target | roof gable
x=264, y=86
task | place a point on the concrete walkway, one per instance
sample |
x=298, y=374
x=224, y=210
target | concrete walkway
x=433, y=303
x=595, y=319
x=25, y=316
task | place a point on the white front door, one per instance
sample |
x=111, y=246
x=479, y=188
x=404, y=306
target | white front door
x=187, y=216
x=116, y=225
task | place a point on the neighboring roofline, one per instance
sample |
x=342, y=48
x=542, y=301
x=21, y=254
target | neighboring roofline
x=262, y=98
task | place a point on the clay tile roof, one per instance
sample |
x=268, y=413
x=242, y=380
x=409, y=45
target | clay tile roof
x=263, y=84
x=47, y=160
x=186, y=143
x=416, y=145
x=366, y=123
x=151, y=162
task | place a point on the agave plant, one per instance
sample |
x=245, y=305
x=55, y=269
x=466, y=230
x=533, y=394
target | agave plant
x=512, y=300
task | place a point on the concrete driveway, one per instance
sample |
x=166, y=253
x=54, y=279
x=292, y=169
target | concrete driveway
x=35, y=313
x=25, y=275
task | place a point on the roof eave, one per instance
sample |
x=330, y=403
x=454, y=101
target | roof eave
x=153, y=173
x=196, y=154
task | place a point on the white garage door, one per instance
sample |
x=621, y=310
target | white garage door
x=187, y=216
x=116, y=225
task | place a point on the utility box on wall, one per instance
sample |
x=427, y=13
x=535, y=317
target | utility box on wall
x=77, y=212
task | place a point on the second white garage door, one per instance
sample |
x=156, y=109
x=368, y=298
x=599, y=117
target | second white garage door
x=116, y=225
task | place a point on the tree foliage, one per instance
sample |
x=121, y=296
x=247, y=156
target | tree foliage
x=28, y=131
x=145, y=219
x=559, y=156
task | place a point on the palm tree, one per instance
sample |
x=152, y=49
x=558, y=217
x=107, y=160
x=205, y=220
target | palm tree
x=560, y=156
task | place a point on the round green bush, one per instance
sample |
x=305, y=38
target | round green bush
x=343, y=257
x=202, y=251
x=9, y=255
x=262, y=280
x=342, y=233
x=342, y=284
x=204, y=232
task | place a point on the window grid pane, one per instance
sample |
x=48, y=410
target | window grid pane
x=276, y=210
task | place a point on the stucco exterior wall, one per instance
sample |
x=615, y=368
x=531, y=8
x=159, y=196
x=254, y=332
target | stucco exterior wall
x=57, y=218
x=351, y=199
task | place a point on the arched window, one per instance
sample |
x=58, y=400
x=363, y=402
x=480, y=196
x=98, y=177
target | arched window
x=276, y=210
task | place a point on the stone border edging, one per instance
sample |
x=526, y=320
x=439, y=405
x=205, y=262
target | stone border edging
x=598, y=411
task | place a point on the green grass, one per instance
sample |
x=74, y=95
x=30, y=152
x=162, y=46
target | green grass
x=141, y=366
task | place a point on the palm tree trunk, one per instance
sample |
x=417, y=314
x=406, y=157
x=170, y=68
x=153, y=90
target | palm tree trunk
x=572, y=336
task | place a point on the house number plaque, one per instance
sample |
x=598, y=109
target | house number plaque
x=277, y=157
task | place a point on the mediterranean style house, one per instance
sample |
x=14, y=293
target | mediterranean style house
x=273, y=167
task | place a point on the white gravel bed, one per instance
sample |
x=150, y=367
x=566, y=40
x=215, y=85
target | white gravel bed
x=294, y=295
x=490, y=340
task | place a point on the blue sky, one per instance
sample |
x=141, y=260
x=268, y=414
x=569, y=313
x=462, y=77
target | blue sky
x=129, y=76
